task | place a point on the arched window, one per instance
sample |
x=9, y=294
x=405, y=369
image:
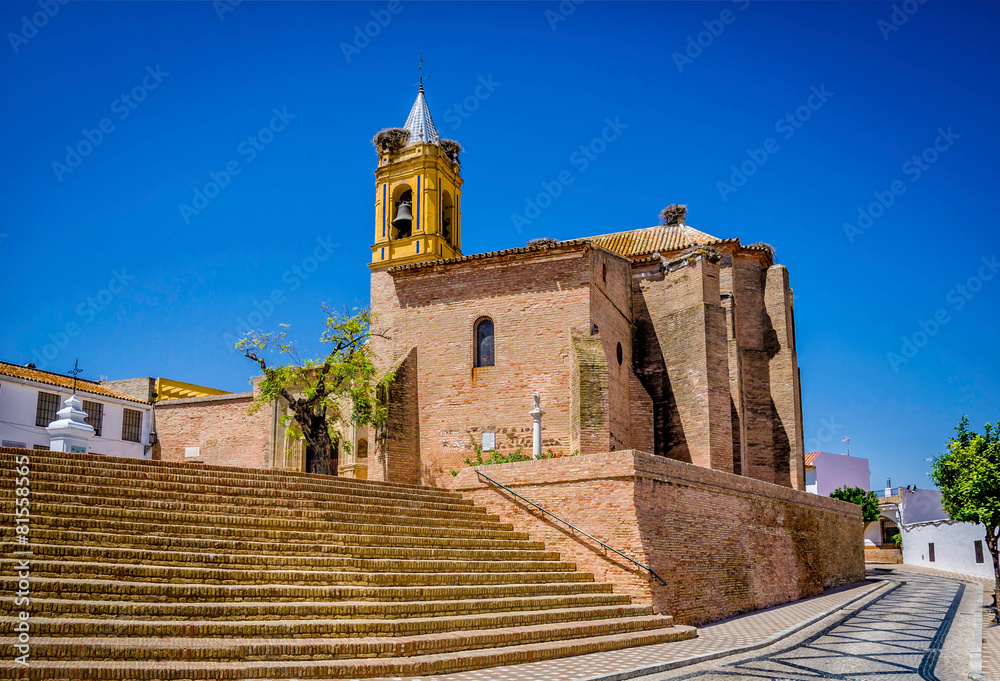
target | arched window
x=362, y=450
x=484, y=342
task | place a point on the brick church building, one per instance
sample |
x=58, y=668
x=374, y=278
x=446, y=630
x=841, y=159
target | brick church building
x=663, y=339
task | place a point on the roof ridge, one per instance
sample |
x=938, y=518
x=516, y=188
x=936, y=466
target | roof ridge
x=44, y=377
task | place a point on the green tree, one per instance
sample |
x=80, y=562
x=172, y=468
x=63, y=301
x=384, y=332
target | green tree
x=319, y=392
x=866, y=500
x=968, y=475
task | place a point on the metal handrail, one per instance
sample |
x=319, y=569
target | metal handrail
x=589, y=536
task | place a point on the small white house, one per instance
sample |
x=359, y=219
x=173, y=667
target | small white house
x=826, y=472
x=29, y=399
x=929, y=538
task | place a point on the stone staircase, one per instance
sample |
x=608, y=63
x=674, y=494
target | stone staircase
x=150, y=570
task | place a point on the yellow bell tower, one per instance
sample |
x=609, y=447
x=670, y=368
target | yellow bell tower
x=418, y=192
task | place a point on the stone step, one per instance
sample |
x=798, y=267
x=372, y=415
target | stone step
x=301, y=508
x=98, y=589
x=269, y=561
x=235, y=610
x=321, y=628
x=59, y=492
x=45, y=460
x=144, y=570
x=78, y=515
x=369, y=536
x=209, y=544
x=418, y=665
x=236, y=649
x=83, y=483
x=125, y=572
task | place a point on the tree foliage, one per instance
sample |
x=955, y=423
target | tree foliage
x=326, y=393
x=968, y=475
x=866, y=500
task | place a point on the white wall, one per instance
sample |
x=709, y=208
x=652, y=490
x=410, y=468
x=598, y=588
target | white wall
x=19, y=401
x=922, y=505
x=953, y=547
x=839, y=470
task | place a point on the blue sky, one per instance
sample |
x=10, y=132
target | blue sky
x=102, y=264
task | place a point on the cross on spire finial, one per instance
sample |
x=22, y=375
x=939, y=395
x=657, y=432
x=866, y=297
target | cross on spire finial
x=74, y=372
x=420, y=69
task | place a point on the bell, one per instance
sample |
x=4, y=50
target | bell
x=403, y=216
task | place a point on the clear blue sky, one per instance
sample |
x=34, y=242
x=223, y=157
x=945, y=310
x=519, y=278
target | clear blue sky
x=101, y=250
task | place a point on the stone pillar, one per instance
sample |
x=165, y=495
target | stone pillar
x=536, y=427
x=70, y=433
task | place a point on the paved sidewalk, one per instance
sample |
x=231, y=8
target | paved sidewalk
x=745, y=632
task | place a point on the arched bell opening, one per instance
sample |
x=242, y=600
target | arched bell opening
x=402, y=218
x=447, y=217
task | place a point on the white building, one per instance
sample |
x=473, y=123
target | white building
x=929, y=538
x=30, y=398
x=826, y=472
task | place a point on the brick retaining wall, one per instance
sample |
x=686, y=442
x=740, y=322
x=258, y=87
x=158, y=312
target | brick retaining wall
x=725, y=544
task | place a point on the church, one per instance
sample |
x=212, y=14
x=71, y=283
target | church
x=662, y=339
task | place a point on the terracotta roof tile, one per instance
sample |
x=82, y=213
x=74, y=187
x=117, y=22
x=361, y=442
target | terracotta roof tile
x=483, y=256
x=810, y=457
x=49, y=378
x=632, y=244
x=653, y=240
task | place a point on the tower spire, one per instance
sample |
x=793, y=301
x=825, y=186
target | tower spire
x=419, y=122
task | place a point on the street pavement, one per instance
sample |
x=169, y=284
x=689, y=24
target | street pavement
x=916, y=623
x=919, y=629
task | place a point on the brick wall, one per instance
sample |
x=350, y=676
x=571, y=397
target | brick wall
x=536, y=301
x=141, y=388
x=684, y=362
x=399, y=459
x=219, y=426
x=708, y=371
x=725, y=544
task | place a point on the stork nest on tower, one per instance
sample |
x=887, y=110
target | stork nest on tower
x=451, y=149
x=391, y=140
x=673, y=214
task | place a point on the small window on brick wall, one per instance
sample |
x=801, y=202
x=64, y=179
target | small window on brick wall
x=132, y=425
x=485, y=356
x=48, y=405
x=95, y=415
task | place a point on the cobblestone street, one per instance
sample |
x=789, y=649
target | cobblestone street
x=919, y=629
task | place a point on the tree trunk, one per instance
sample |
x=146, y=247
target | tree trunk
x=991, y=544
x=315, y=432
